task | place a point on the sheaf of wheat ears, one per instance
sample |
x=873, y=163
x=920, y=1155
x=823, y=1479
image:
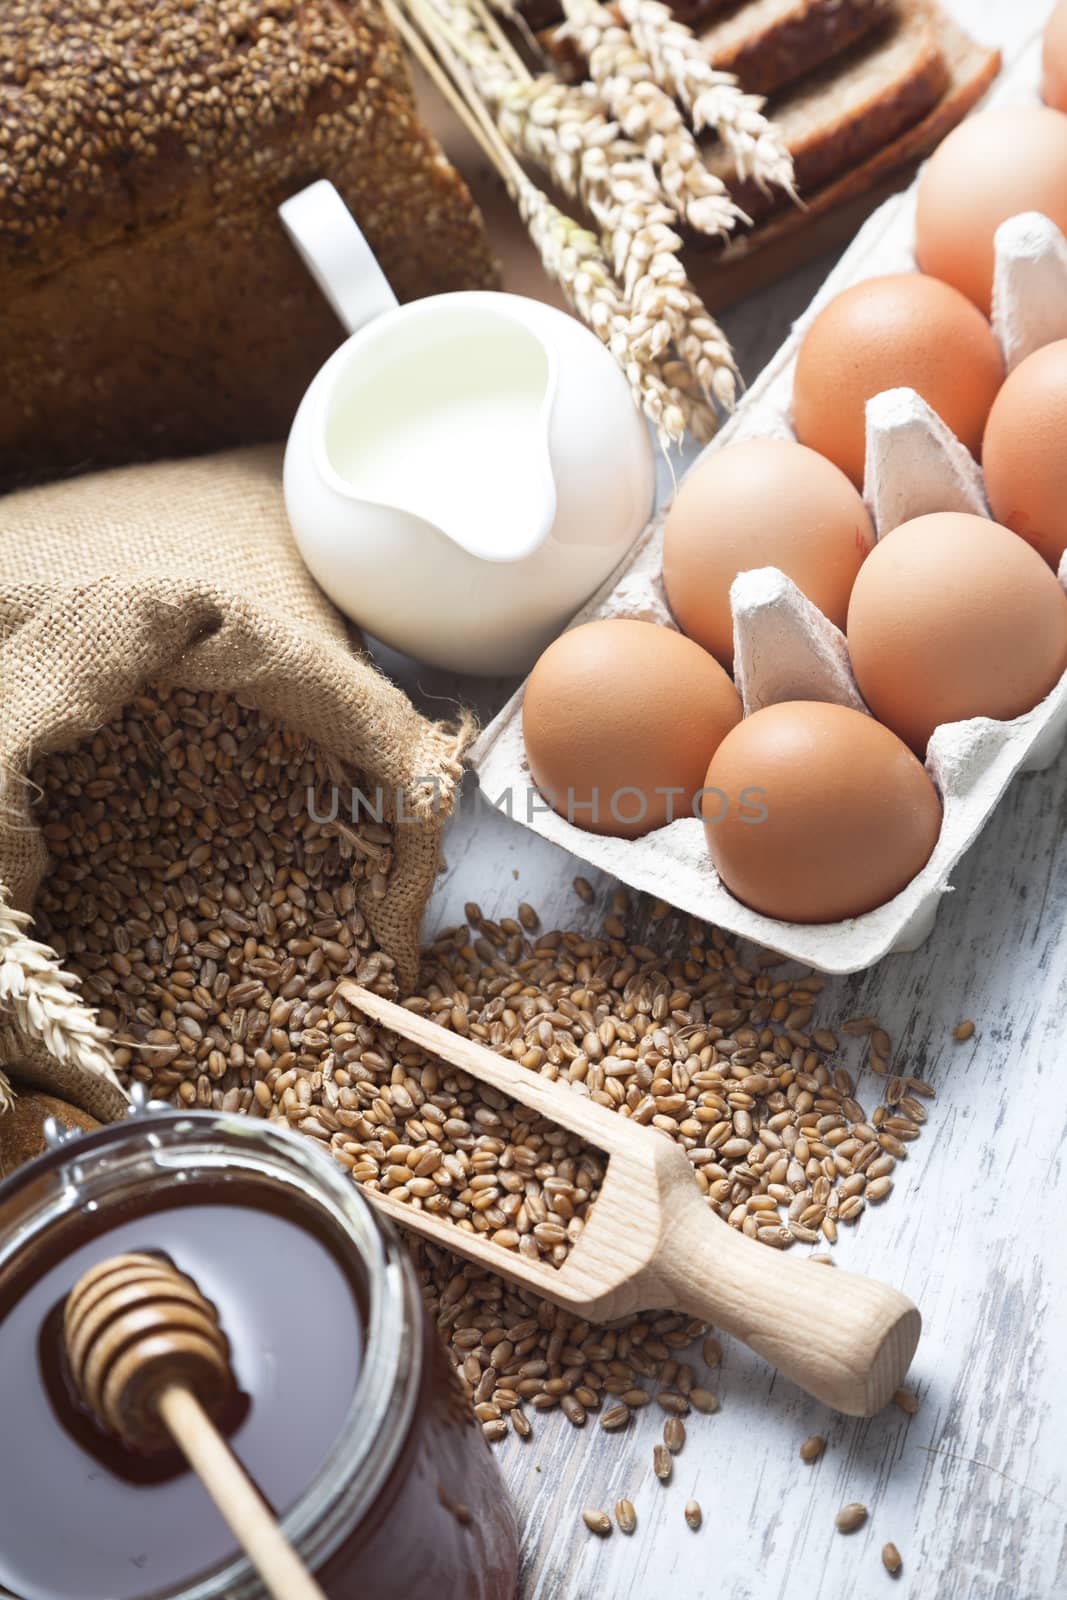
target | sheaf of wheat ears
x=567, y=131
x=573, y=255
x=41, y=1000
x=713, y=99
x=647, y=114
x=567, y=134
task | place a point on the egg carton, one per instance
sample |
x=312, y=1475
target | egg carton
x=786, y=649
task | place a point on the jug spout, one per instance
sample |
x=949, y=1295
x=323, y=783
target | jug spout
x=500, y=525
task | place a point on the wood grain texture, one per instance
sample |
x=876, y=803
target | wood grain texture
x=651, y=1241
x=973, y=1489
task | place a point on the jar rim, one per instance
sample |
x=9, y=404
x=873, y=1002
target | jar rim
x=176, y=1145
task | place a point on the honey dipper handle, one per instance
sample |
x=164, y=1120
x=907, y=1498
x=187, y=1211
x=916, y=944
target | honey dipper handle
x=846, y=1339
x=283, y=1573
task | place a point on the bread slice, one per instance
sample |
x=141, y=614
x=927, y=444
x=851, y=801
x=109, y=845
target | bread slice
x=831, y=214
x=769, y=44
x=538, y=14
x=851, y=107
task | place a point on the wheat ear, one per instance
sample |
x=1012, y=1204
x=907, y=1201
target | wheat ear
x=648, y=115
x=713, y=99
x=571, y=255
x=41, y=999
x=567, y=133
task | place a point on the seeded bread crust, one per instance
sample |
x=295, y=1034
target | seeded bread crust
x=151, y=301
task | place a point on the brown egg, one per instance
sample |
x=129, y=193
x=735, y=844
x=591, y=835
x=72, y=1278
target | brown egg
x=764, y=503
x=990, y=168
x=953, y=616
x=620, y=720
x=846, y=815
x=1054, y=59
x=1024, y=453
x=887, y=333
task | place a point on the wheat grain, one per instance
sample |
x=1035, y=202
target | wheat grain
x=674, y=1434
x=891, y=1559
x=625, y=1516
x=713, y=99
x=850, y=1517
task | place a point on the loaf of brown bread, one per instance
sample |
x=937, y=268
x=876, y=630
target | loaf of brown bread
x=150, y=301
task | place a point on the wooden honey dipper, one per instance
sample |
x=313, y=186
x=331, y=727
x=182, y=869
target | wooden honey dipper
x=150, y=1360
x=651, y=1240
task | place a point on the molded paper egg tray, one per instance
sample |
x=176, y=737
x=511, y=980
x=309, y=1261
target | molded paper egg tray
x=787, y=650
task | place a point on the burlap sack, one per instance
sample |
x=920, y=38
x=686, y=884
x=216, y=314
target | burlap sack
x=186, y=572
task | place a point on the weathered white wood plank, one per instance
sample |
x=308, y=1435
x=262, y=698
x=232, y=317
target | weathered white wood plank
x=973, y=1489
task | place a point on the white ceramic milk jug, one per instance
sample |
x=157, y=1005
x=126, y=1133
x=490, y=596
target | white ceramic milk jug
x=465, y=470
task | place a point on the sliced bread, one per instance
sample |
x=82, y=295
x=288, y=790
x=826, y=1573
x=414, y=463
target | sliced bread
x=539, y=14
x=851, y=107
x=769, y=44
x=832, y=213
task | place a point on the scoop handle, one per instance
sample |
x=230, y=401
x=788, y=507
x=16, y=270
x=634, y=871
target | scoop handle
x=846, y=1339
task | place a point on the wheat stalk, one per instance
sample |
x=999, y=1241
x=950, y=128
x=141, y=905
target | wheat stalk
x=713, y=99
x=571, y=255
x=40, y=998
x=574, y=258
x=648, y=115
x=566, y=132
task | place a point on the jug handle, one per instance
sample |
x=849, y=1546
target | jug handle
x=340, y=260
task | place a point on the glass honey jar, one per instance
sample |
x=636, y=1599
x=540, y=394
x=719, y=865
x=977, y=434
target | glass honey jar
x=349, y=1416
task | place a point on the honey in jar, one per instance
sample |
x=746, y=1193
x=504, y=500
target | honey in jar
x=346, y=1415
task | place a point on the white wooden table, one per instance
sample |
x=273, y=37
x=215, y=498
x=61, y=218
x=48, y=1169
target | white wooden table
x=973, y=1489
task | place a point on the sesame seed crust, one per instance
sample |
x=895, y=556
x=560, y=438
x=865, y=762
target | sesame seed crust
x=153, y=304
x=117, y=114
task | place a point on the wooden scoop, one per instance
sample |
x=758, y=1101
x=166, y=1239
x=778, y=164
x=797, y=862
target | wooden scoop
x=150, y=1360
x=651, y=1240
